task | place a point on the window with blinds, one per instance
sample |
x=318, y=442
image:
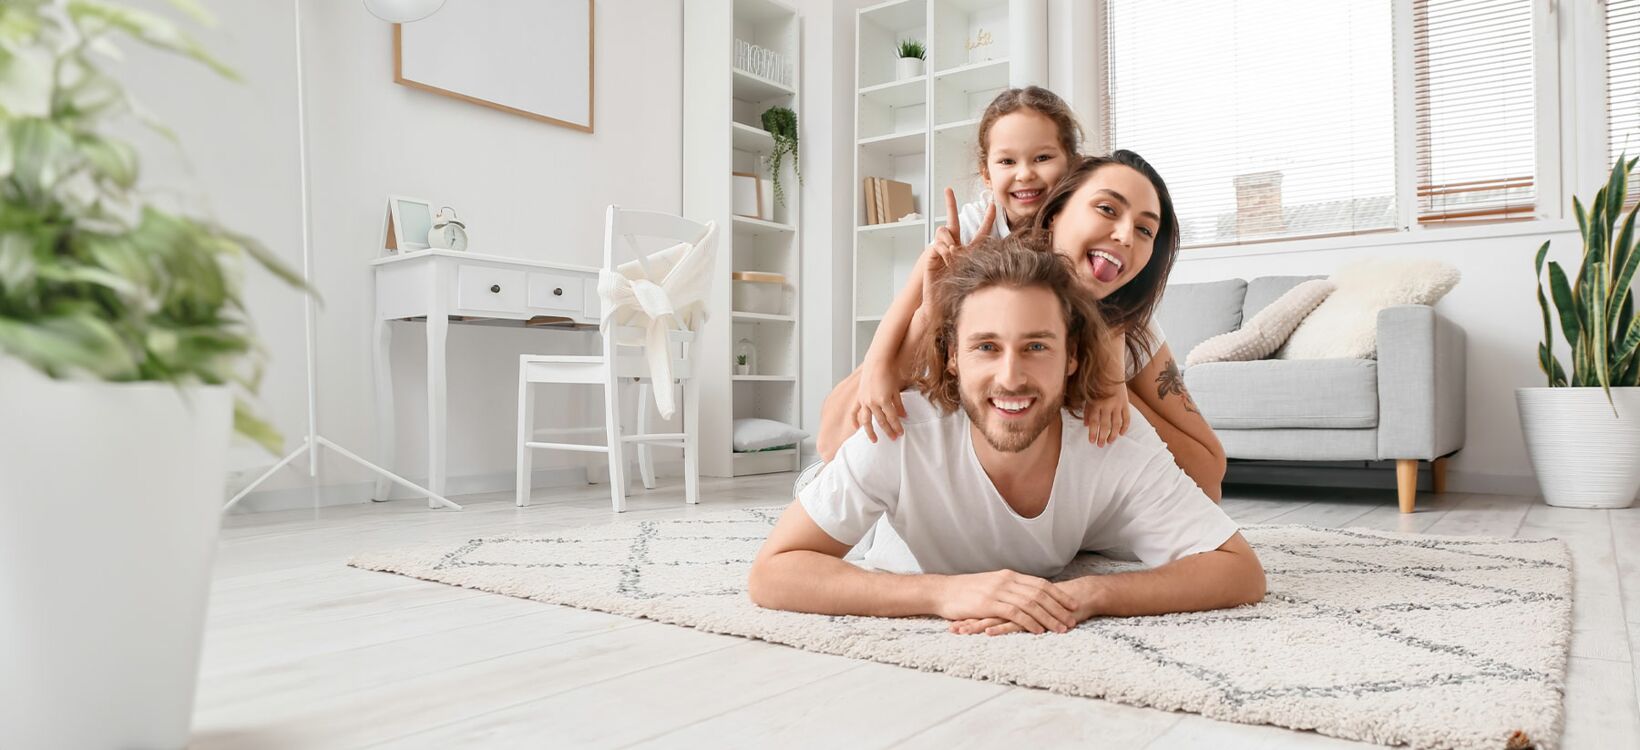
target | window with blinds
x=1276, y=119
x=1268, y=118
x=1623, y=84
x=1473, y=94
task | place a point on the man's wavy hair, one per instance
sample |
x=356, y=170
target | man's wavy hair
x=1022, y=260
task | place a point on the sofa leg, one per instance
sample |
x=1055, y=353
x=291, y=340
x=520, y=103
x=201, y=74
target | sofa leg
x=1406, y=482
x=1437, y=471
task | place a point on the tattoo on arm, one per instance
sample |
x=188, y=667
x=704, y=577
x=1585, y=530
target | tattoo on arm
x=1171, y=380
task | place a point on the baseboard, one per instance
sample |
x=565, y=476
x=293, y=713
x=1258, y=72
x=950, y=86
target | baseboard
x=1370, y=475
x=294, y=498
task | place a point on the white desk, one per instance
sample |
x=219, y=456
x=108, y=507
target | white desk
x=441, y=284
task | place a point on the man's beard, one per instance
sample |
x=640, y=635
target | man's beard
x=1011, y=436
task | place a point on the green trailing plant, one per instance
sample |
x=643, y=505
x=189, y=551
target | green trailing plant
x=911, y=48
x=1596, y=311
x=781, y=123
x=94, y=281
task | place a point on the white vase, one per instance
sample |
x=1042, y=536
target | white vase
x=111, y=498
x=908, y=67
x=1584, y=456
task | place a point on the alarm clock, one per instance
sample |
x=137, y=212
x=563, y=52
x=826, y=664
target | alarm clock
x=448, y=232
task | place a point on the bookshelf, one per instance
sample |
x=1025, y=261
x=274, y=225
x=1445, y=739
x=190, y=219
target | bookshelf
x=723, y=133
x=922, y=130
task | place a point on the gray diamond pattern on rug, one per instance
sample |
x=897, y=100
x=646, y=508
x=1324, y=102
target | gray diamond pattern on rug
x=1433, y=642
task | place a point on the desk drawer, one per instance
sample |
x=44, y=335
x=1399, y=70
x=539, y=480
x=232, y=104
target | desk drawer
x=549, y=291
x=495, y=289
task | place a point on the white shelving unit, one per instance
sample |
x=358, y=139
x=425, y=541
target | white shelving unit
x=723, y=133
x=923, y=130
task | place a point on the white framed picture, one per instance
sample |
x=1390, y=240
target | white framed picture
x=408, y=222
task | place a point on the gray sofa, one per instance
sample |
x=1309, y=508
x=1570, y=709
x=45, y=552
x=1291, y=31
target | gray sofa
x=1407, y=405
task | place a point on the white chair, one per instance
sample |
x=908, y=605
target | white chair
x=659, y=303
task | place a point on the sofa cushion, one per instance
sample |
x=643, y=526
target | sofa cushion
x=1273, y=394
x=1346, y=324
x=1264, y=332
x=1193, y=313
x=1266, y=289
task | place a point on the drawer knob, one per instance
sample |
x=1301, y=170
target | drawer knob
x=495, y=288
x=558, y=291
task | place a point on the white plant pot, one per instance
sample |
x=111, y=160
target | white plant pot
x=743, y=369
x=908, y=67
x=110, y=496
x=1583, y=455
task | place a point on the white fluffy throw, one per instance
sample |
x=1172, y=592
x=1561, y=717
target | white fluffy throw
x=1345, y=326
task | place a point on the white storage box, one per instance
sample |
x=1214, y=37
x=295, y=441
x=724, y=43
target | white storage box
x=751, y=196
x=758, y=292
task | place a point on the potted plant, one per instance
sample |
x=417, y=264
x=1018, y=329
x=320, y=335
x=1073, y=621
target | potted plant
x=781, y=123
x=123, y=344
x=911, y=53
x=742, y=367
x=1583, y=432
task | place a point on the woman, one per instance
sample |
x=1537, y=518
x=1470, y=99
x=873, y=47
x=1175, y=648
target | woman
x=1113, y=217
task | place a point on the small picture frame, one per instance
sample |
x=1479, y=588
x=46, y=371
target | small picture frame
x=407, y=224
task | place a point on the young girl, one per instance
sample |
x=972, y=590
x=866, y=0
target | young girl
x=1113, y=218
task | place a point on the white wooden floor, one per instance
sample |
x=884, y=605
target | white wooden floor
x=304, y=652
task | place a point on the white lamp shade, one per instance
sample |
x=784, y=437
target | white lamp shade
x=402, y=11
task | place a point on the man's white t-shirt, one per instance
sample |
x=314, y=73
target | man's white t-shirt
x=947, y=517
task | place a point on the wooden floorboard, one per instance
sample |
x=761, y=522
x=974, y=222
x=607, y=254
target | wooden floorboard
x=302, y=651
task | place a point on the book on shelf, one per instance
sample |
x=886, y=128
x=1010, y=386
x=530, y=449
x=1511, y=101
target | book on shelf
x=887, y=201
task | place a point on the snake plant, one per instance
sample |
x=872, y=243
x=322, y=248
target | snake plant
x=95, y=282
x=1597, y=311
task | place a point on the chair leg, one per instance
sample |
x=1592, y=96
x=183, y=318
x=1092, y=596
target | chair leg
x=526, y=433
x=1406, y=482
x=612, y=432
x=1437, y=472
x=646, y=458
x=691, y=441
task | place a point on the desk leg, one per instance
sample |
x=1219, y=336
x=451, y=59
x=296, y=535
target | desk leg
x=438, y=328
x=385, y=442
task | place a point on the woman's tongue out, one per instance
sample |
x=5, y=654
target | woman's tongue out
x=1103, y=269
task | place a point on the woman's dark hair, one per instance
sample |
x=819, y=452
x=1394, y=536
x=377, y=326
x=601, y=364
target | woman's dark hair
x=1129, y=308
x=1020, y=261
x=1040, y=100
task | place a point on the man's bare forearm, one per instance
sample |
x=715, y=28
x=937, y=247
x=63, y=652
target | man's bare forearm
x=1211, y=580
x=804, y=581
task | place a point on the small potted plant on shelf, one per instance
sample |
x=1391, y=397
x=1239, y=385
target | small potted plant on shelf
x=124, y=339
x=781, y=122
x=1583, y=432
x=911, y=54
x=742, y=367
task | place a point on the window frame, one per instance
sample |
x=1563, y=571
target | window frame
x=1569, y=79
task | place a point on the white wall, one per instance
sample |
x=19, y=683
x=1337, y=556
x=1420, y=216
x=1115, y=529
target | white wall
x=525, y=188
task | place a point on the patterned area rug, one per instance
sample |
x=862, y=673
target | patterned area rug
x=1433, y=642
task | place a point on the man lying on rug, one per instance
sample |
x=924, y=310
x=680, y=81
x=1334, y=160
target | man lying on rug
x=996, y=497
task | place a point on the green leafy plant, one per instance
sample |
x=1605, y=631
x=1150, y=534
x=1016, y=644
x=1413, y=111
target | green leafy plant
x=911, y=48
x=1597, y=312
x=94, y=281
x=781, y=123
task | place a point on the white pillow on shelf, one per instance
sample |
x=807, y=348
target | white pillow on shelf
x=1345, y=326
x=763, y=434
x=1265, y=332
